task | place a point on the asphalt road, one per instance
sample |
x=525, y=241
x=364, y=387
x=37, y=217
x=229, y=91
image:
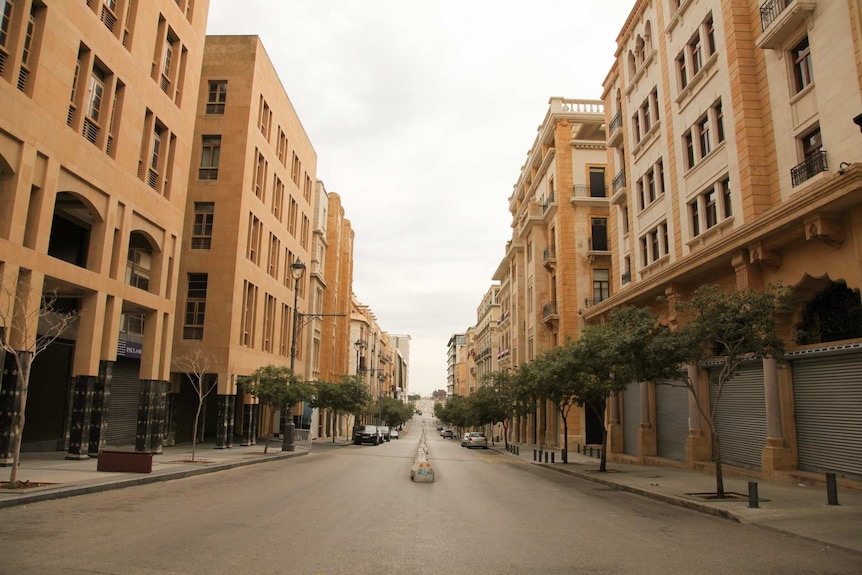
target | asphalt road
x=354, y=510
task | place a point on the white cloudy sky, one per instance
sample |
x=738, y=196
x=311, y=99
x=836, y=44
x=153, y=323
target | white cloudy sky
x=422, y=113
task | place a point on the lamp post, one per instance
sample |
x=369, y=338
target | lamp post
x=297, y=270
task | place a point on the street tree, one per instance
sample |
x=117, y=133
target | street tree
x=494, y=401
x=30, y=321
x=731, y=327
x=346, y=397
x=277, y=387
x=456, y=413
x=560, y=380
x=197, y=365
x=394, y=412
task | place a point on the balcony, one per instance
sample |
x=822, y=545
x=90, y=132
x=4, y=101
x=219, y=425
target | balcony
x=615, y=131
x=626, y=278
x=550, y=314
x=779, y=19
x=549, y=258
x=810, y=166
x=550, y=201
x=619, y=181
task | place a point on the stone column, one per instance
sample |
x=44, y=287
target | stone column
x=151, y=415
x=99, y=410
x=82, y=403
x=249, y=424
x=776, y=455
x=10, y=408
x=697, y=445
x=647, y=443
x=224, y=431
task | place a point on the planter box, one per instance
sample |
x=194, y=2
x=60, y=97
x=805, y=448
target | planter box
x=125, y=461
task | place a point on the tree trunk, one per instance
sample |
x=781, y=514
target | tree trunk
x=603, y=465
x=716, y=455
x=24, y=360
x=195, y=432
x=334, y=424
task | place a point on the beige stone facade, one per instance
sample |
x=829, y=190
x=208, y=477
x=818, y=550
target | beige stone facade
x=737, y=162
x=558, y=262
x=96, y=133
x=249, y=217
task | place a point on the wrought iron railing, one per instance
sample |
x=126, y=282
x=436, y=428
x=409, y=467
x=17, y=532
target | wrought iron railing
x=616, y=122
x=619, y=180
x=549, y=309
x=770, y=10
x=812, y=164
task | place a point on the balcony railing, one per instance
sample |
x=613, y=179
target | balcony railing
x=626, y=278
x=616, y=122
x=770, y=10
x=548, y=202
x=619, y=180
x=550, y=253
x=811, y=165
x=549, y=309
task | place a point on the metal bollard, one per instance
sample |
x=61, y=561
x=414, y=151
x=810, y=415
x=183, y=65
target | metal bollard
x=831, y=489
x=517, y=450
x=552, y=457
x=534, y=454
x=753, y=500
x=579, y=448
x=546, y=457
x=591, y=451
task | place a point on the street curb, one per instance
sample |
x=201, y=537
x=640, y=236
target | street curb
x=62, y=492
x=673, y=500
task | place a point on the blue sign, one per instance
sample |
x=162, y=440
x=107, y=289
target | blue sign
x=129, y=349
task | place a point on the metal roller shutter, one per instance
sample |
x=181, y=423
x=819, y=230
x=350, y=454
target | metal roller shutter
x=828, y=401
x=741, y=420
x=123, y=403
x=631, y=418
x=671, y=421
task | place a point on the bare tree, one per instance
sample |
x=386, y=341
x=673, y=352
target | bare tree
x=196, y=365
x=26, y=330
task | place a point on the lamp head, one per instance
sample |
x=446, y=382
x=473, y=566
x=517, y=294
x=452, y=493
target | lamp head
x=297, y=269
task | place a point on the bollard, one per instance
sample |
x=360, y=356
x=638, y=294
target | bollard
x=831, y=489
x=546, y=457
x=517, y=450
x=534, y=455
x=591, y=451
x=753, y=500
x=579, y=448
x=552, y=457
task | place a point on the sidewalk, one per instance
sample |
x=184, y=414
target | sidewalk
x=788, y=508
x=59, y=477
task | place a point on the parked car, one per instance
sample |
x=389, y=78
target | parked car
x=384, y=430
x=439, y=427
x=393, y=434
x=367, y=434
x=447, y=434
x=474, y=439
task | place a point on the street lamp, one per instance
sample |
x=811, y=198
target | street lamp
x=297, y=270
x=358, y=344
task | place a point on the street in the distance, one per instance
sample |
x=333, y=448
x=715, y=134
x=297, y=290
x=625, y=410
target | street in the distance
x=353, y=509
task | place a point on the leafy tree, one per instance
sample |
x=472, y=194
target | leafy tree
x=196, y=365
x=394, y=412
x=277, y=387
x=456, y=412
x=560, y=380
x=345, y=397
x=29, y=322
x=493, y=401
x=733, y=327
x=414, y=397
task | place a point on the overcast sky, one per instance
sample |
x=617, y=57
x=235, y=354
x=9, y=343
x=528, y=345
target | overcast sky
x=422, y=113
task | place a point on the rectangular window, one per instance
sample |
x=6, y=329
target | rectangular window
x=681, y=70
x=598, y=189
x=655, y=104
x=253, y=244
x=709, y=28
x=725, y=195
x=704, y=137
x=202, y=230
x=249, y=311
x=711, y=208
x=306, y=226
x=210, y=153
x=260, y=177
x=277, y=197
x=694, y=48
x=658, y=175
x=644, y=252
x=193, y=325
x=601, y=285
x=95, y=93
x=216, y=97
x=654, y=244
x=296, y=167
x=599, y=235
x=274, y=255
x=268, y=323
x=5, y=19
x=719, y=121
x=645, y=110
x=650, y=185
x=286, y=326
x=803, y=72
x=282, y=147
x=264, y=118
x=688, y=145
x=292, y=217
x=641, y=194
x=636, y=127
x=625, y=216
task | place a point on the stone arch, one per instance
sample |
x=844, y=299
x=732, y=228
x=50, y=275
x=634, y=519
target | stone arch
x=825, y=310
x=71, y=227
